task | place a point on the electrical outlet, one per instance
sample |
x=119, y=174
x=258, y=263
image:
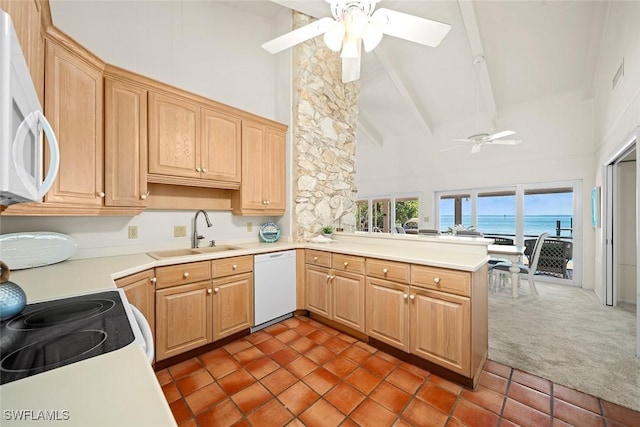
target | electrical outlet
x=249, y=227
x=133, y=231
x=426, y=219
x=180, y=231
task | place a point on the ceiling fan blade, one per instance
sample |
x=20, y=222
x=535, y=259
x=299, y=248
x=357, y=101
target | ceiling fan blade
x=297, y=36
x=500, y=135
x=505, y=142
x=453, y=148
x=350, y=69
x=410, y=27
x=476, y=148
x=462, y=140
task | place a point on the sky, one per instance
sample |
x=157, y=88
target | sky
x=534, y=204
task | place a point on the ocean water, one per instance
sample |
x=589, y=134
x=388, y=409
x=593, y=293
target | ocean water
x=506, y=224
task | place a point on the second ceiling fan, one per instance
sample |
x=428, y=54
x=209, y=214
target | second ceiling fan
x=478, y=140
x=354, y=24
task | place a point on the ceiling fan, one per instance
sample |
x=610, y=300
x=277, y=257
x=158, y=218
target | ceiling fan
x=355, y=23
x=478, y=140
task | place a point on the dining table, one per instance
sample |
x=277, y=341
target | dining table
x=512, y=254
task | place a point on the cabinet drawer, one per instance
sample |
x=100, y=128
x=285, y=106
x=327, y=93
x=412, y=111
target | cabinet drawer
x=181, y=274
x=352, y=264
x=228, y=266
x=441, y=279
x=389, y=270
x=319, y=258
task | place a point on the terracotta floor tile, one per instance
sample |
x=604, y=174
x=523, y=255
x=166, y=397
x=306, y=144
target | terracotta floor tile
x=621, y=414
x=486, y=398
x=422, y=373
x=321, y=380
x=207, y=396
x=291, y=322
x=349, y=423
x=555, y=422
x=531, y=381
x=474, y=415
x=305, y=328
x=249, y=355
x=363, y=345
x=340, y=366
x=379, y=366
x=389, y=358
x=420, y=414
x=270, y=345
x=193, y=382
x=530, y=397
x=236, y=381
x=437, y=396
x=302, y=344
x=237, y=346
x=223, y=414
x=322, y=413
x=446, y=384
x=319, y=354
x=583, y=400
x=506, y=423
x=390, y=397
x=347, y=338
x=189, y=423
x=402, y=423
x=372, y=414
x=319, y=336
x=164, y=377
x=243, y=423
x=288, y=336
x=356, y=354
x=185, y=368
x=276, y=329
x=524, y=415
x=296, y=423
x=344, y=397
x=171, y=392
x=285, y=356
x=271, y=414
x=302, y=366
x=262, y=367
x=497, y=368
x=223, y=367
x=575, y=415
x=336, y=345
x=278, y=381
x=493, y=382
x=298, y=398
x=363, y=380
x=405, y=380
x=316, y=325
x=257, y=337
x=213, y=356
x=180, y=411
x=251, y=397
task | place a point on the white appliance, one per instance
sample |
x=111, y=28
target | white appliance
x=274, y=287
x=21, y=126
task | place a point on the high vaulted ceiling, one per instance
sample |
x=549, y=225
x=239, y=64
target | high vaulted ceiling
x=531, y=49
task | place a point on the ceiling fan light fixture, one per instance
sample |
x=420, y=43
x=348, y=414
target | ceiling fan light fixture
x=334, y=36
x=350, y=48
x=372, y=36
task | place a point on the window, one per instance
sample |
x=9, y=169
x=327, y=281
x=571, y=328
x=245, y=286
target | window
x=362, y=215
x=388, y=214
x=454, y=210
x=497, y=213
x=548, y=210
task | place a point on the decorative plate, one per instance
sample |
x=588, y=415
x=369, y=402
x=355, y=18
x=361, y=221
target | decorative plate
x=35, y=249
x=269, y=232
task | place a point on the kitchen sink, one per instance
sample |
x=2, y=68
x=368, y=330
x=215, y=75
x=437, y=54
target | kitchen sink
x=174, y=253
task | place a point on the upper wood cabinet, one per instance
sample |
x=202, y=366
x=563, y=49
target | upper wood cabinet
x=263, y=189
x=125, y=140
x=192, y=145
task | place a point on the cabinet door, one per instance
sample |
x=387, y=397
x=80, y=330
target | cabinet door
x=174, y=127
x=125, y=144
x=74, y=107
x=275, y=170
x=232, y=305
x=440, y=329
x=220, y=146
x=140, y=291
x=183, y=319
x=253, y=164
x=387, y=316
x=348, y=299
x=318, y=290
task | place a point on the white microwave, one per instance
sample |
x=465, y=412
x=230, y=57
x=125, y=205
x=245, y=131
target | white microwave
x=22, y=125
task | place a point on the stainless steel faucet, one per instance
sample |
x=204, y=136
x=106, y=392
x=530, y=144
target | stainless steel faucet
x=195, y=239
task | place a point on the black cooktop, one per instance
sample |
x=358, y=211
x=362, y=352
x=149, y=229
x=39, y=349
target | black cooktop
x=52, y=334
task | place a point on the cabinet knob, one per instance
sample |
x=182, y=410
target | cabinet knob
x=264, y=202
x=405, y=296
x=267, y=202
x=204, y=169
x=436, y=280
x=385, y=270
x=144, y=196
x=216, y=290
x=328, y=277
x=209, y=291
x=101, y=194
x=234, y=266
x=412, y=297
x=153, y=280
x=197, y=169
x=315, y=258
x=185, y=274
x=346, y=263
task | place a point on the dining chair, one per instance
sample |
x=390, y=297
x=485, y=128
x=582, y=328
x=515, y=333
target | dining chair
x=528, y=270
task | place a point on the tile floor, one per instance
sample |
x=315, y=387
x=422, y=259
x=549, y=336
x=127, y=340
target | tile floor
x=300, y=372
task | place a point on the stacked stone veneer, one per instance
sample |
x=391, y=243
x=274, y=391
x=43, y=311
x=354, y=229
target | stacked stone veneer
x=324, y=138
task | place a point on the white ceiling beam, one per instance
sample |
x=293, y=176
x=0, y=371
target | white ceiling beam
x=363, y=125
x=402, y=89
x=477, y=53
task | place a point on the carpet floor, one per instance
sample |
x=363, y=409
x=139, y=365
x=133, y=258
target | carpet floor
x=565, y=335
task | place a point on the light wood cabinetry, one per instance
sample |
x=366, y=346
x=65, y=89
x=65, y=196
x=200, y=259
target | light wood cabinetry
x=192, y=145
x=125, y=133
x=232, y=295
x=263, y=170
x=336, y=293
x=388, y=312
x=141, y=291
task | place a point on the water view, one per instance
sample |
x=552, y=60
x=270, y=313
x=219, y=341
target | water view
x=506, y=224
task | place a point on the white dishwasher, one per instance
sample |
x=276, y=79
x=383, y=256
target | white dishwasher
x=274, y=287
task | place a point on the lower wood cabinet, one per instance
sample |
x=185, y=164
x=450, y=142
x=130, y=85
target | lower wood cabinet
x=388, y=312
x=232, y=305
x=140, y=291
x=184, y=318
x=318, y=290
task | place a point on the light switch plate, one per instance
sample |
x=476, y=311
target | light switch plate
x=180, y=231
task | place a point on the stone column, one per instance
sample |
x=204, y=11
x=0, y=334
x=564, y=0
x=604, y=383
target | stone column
x=324, y=138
